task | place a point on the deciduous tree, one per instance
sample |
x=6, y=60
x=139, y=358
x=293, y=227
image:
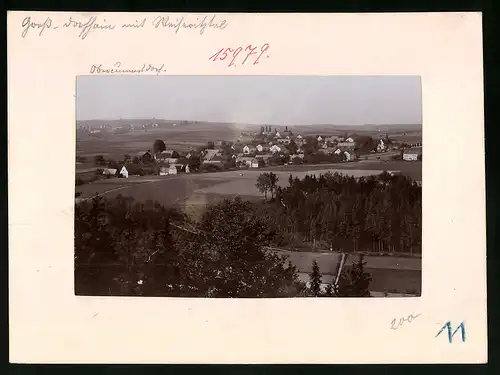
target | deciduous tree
x=158, y=147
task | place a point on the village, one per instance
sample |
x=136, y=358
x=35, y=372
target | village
x=269, y=147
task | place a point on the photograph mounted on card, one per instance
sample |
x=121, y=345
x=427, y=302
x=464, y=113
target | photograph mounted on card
x=205, y=179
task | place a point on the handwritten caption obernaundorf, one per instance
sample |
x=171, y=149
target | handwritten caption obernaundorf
x=84, y=26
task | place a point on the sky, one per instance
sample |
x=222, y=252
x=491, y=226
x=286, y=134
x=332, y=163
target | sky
x=280, y=100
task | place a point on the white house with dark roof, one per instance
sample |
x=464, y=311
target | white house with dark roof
x=412, y=154
x=248, y=149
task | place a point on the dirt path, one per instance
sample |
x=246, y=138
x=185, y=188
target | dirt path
x=120, y=188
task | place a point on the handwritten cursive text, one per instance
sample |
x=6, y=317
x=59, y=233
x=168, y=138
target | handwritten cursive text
x=89, y=25
x=395, y=324
x=182, y=23
x=86, y=25
x=245, y=52
x=29, y=24
x=117, y=69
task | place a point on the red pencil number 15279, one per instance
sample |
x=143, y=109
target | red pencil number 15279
x=236, y=55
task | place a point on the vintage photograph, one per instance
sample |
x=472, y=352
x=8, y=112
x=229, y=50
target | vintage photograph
x=248, y=186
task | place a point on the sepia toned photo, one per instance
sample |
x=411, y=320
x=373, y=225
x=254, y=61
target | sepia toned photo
x=248, y=186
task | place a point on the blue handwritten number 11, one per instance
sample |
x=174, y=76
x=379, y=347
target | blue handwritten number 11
x=451, y=333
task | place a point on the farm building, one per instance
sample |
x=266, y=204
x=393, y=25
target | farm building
x=248, y=149
x=264, y=157
x=109, y=171
x=167, y=154
x=334, y=139
x=244, y=160
x=348, y=143
x=169, y=160
x=145, y=156
x=174, y=168
x=217, y=159
x=209, y=154
x=412, y=154
x=124, y=172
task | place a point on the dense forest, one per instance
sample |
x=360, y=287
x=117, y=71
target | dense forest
x=381, y=214
x=128, y=248
x=123, y=247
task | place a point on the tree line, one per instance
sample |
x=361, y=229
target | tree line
x=371, y=214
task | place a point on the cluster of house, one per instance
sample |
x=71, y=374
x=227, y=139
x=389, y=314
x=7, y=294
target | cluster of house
x=256, y=155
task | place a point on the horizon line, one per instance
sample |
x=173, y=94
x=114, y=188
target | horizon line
x=243, y=123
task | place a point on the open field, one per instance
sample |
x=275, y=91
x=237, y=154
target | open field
x=396, y=282
x=245, y=185
x=202, y=188
x=389, y=274
x=180, y=138
x=328, y=261
x=197, y=187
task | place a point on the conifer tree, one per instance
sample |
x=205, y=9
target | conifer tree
x=355, y=282
x=315, y=280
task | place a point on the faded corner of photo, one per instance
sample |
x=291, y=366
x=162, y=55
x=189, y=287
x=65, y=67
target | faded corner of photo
x=295, y=186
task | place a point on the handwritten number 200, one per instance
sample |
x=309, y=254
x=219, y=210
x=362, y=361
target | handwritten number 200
x=223, y=53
